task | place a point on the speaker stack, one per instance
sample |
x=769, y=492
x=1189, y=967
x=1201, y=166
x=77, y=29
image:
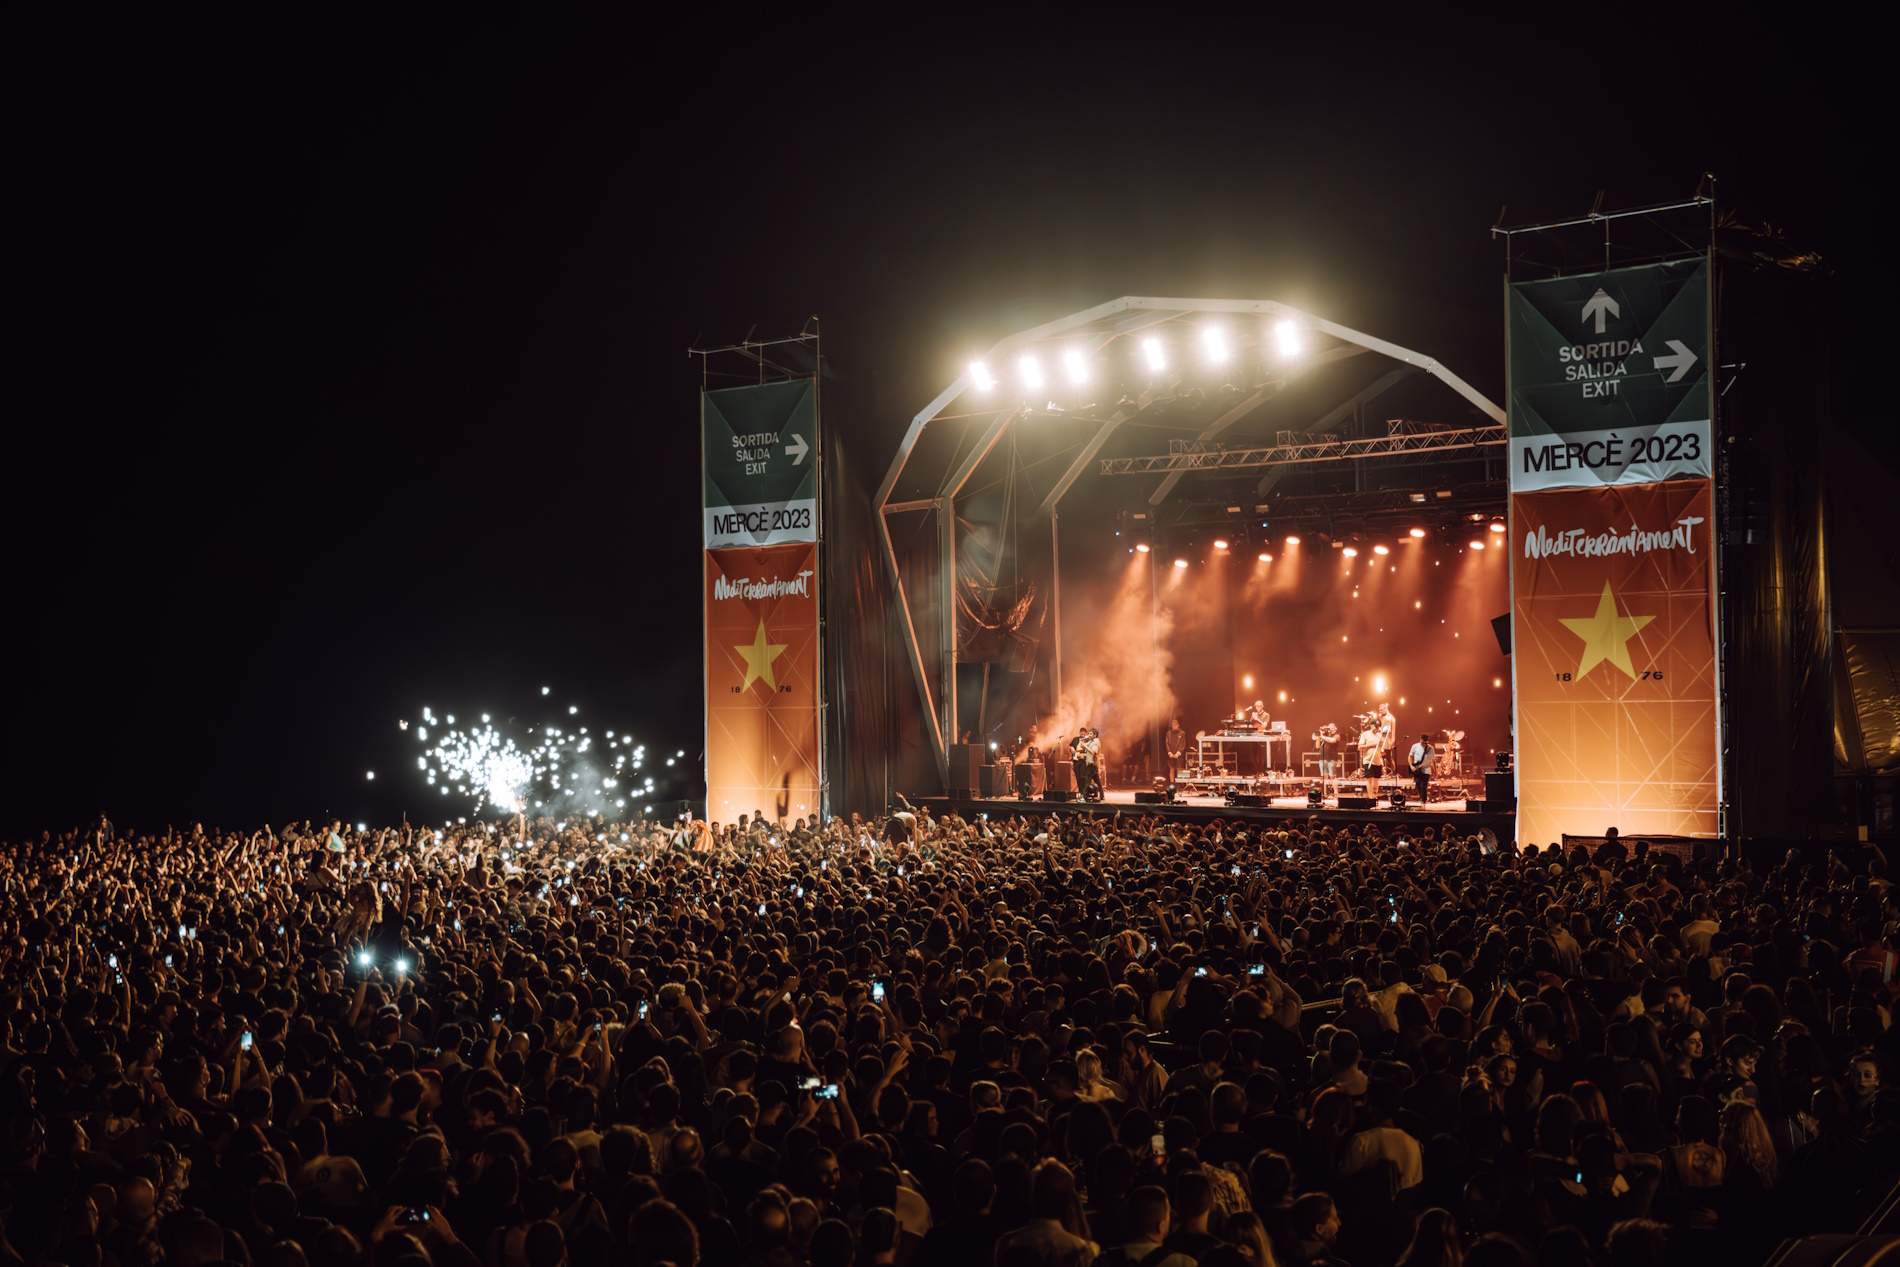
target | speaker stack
x=966, y=759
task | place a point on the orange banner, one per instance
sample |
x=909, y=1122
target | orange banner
x=1613, y=599
x=762, y=718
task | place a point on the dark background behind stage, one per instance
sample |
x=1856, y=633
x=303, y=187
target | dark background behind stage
x=348, y=368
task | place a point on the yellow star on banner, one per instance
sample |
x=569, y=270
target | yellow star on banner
x=758, y=659
x=1606, y=636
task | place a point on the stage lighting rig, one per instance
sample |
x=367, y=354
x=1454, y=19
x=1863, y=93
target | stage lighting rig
x=1314, y=798
x=1397, y=800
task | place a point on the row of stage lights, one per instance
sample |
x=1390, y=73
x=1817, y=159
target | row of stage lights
x=1292, y=542
x=1216, y=349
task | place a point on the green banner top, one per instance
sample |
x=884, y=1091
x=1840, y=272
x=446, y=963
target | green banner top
x=760, y=447
x=1624, y=349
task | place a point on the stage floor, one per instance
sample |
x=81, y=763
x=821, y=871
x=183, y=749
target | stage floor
x=1278, y=809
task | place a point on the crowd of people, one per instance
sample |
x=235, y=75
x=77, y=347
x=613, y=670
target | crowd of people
x=1041, y=1042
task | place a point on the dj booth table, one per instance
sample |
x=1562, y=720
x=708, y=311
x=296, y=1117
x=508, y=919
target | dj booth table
x=1234, y=749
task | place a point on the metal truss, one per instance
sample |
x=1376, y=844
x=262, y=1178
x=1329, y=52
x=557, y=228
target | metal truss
x=933, y=669
x=1444, y=441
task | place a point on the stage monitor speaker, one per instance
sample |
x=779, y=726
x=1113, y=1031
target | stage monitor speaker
x=1356, y=802
x=1497, y=787
x=1501, y=629
x=965, y=760
x=999, y=779
x=1478, y=806
x=1153, y=798
x=1061, y=776
x=1250, y=800
x=1058, y=794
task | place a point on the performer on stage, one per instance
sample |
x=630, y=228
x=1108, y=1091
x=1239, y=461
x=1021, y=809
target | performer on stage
x=1174, y=744
x=1258, y=714
x=1085, y=751
x=1326, y=738
x=1388, y=737
x=1419, y=761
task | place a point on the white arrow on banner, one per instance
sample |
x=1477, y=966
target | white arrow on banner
x=797, y=450
x=1599, y=306
x=1678, y=364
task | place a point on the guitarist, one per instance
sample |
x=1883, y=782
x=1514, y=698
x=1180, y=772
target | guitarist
x=1419, y=761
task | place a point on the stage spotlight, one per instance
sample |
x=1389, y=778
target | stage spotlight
x=980, y=375
x=1214, y=344
x=1497, y=525
x=1415, y=498
x=1292, y=540
x=1497, y=681
x=1382, y=550
x=1246, y=681
x=1477, y=545
x=1220, y=543
x=1314, y=799
x=1031, y=370
x=1352, y=552
x=1180, y=563
x=1153, y=355
x=1398, y=799
x=1286, y=339
x=1378, y=684
x=1283, y=697
x=1141, y=547
x=1265, y=557
x=1416, y=534
x=1075, y=364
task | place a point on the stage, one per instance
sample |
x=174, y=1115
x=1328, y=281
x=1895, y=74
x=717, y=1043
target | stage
x=1277, y=809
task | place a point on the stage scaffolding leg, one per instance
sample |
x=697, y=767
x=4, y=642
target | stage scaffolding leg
x=1055, y=601
x=947, y=560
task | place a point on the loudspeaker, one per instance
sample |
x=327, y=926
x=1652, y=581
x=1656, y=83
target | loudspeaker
x=965, y=760
x=1478, y=806
x=1497, y=787
x=1356, y=802
x=1501, y=629
x=1061, y=776
x=1058, y=794
x=1250, y=800
x=999, y=779
x=1153, y=798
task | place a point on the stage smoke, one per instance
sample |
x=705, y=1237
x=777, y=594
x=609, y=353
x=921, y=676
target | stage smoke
x=1124, y=683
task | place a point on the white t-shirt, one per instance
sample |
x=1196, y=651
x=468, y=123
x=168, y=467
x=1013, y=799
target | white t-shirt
x=1385, y=1143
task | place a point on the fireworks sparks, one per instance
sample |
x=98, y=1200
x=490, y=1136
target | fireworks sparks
x=541, y=768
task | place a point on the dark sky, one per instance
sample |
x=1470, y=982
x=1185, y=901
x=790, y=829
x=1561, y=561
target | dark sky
x=353, y=369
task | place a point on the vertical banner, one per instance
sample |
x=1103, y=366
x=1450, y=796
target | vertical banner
x=1613, y=583
x=1614, y=651
x=764, y=680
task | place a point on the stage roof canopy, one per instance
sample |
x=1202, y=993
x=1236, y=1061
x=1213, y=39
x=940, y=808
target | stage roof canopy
x=1231, y=394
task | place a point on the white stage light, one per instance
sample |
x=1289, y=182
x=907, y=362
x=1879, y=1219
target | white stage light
x=1292, y=540
x=1477, y=545
x=1497, y=525
x=1381, y=549
x=1352, y=552
x=1286, y=339
x=1153, y=355
x=1141, y=547
x=1416, y=534
x=1031, y=371
x=1180, y=563
x=1075, y=364
x=1214, y=344
x=1220, y=543
x=979, y=375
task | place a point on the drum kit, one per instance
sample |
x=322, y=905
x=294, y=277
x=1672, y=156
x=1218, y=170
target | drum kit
x=1448, y=760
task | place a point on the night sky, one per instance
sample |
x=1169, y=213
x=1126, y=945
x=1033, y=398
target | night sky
x=353, y=371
